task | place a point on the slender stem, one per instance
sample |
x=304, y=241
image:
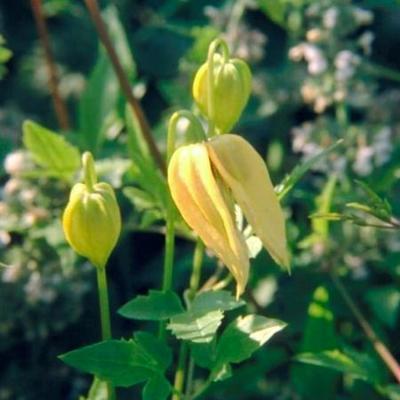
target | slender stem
x=381, y=71
x=190, y=375
x=94, y=11
x=58, y=102
x=89, y=171
x=180, y=372
x=104, y=303
x=104, y=315
x=378, y=345
x=169, y=247
x=179, y=380
x=210, y=80
x=196, y=271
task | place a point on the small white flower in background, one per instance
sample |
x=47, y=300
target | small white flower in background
x=5, y=238
x=382, y=146
x=314, y=35
x=11, y=273
x=28, y=195
x=12, y=186
x=17, y=162
x=363, y=162
x=365, y=41
x=345, y=62
x=330, y=17
x=362, y=17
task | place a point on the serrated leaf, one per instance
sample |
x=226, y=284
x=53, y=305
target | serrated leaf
x=157, y=348
x=156, y=388
x=196, y=326
x=215, y=300
x=156, y=306
x=51, y=151
x=122, y=363
x=299, y=171
x=244, y=336
x=360, y=366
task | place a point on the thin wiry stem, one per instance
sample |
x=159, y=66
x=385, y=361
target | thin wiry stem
x=59, y=105
x=94, y=12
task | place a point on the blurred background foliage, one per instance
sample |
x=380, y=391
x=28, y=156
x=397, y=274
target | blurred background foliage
x=322, y=71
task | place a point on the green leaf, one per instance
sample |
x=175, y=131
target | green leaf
x=99, y=101
x=51, y=151
x=274, y=9
x=319, y=334
x=215, y=300
x=122, y=363
x=244, y=336
x=140, y=199
x=385, y=303
x=156, y=388
x=298, y=172
x=157, y=348
x=156, y=306
x=391, y=391
x=359, y=365
x=196, y=326
x=204, y=353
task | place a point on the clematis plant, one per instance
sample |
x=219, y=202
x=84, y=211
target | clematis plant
x=210, y=176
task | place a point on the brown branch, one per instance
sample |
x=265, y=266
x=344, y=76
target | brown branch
x=385, y=354
x=94, y=11
x=59, y=105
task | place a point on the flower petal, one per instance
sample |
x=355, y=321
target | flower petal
x=198, y=197
x=245, y=173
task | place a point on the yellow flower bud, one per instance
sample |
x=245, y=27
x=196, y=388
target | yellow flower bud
x=231, y=90
x=206, y=179
x=92, y=220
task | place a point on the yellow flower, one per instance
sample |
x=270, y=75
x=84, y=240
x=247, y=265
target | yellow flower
x=207, y=179
x=92, y=220
x=231, y=91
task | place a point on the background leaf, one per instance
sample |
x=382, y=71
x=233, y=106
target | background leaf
x=156, y=306
x=51, y=151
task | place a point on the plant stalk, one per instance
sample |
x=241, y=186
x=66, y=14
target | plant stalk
x=383, y=352
x=58, y=102
x=104, y=315
x=94, y=12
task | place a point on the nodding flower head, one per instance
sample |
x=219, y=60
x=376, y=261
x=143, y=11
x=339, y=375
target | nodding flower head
x=207, y=179
x=92, y=220
x=231, y=88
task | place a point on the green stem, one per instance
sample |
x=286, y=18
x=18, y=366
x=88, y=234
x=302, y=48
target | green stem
x=104, y=315
x=210, y=80
x=382, y=72
x=180, y=372
x=89, y=171
x=179, y=380
x=196, y=271
x=104, y=303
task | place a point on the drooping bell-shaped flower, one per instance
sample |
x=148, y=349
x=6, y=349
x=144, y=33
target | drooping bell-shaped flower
x=92, y=220
x=206, y=180
x=231, y=78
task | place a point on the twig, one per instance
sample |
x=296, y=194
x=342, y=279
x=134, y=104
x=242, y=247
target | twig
x=385, y=354
x=94, y=12
x=59, y=105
